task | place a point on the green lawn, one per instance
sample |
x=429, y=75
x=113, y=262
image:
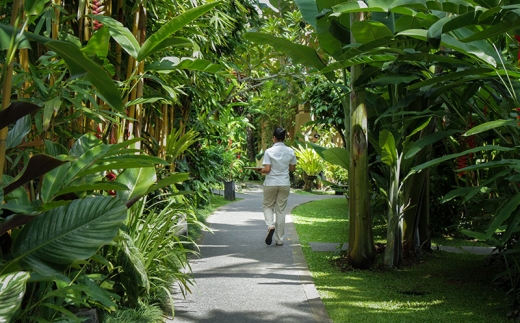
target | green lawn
x=441, y=287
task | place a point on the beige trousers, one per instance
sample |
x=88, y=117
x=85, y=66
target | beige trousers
x=275, y=201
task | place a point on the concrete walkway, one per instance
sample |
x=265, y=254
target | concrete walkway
x=238, y=278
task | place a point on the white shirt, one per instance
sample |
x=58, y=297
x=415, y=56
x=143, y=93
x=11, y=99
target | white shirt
x=279, y=156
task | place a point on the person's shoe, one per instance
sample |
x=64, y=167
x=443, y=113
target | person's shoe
x=269, y=238
x=279, y=244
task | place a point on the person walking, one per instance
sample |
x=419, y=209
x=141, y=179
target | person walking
x=278, y=161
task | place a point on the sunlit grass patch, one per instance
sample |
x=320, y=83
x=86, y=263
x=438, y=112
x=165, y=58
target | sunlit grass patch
x=439, y=287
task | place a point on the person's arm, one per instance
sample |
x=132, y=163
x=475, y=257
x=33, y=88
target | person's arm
x=292, y=168
x=266, y=169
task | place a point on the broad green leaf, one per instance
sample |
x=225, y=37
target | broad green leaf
x=466, y=192
x=492, y=164
x=84, y=162
x=512, y=227
x=500, y=28
x=53, y=181
x=96, y=186
x=458, y=7
x=51, y=106
x=84, y=144
x=7, y=32
x=410, y=4
x=462, y=21
x=98, y=45
x=12, y=290
x=359, y=60
x=136, y=259
x=503, y=215
x=170, y=180
x=473, y=234
x=309, y=11
x=138, y=180
x=169, y=64
x=98, y=294
x=121, y=34
x=405, y=22
x=331, y=37
x=469, y=49
x=426, y=141
x=361, y=6
x=453, y=43
x=367, y=31
x=168, y=43
x=57, y=238
x=450, y=76
x=171, y=27
x=435, y=31
x=300, y=54
x=490, y=125
x=127, y=162
x=80, y=65
x=453, y=156
x=21, y=128
x=388, y=148
x=34, y=7
x=387, y=80
x=337, y=156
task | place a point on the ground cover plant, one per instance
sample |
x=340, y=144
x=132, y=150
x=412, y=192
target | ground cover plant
x=438, y=287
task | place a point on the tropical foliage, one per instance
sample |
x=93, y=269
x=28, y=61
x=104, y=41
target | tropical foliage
x=118, y=119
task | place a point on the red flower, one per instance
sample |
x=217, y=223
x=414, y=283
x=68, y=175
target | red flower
x=110, y=176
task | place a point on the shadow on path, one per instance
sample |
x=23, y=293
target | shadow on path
x=238, y=278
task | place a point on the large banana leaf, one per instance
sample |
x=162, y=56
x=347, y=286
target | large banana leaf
x=300, y=54
x=12, y=289
x=367, y=31
x=171, y=27
x=455, y=44
x=309, y=11
x=57, y=238
x=337, y=156
x=439, y=160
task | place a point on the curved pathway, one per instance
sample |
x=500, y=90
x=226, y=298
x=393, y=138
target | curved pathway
x=238, y=278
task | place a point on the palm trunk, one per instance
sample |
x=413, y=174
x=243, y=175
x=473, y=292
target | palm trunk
x=361, y=251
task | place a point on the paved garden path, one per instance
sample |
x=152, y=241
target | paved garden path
x=238, y=278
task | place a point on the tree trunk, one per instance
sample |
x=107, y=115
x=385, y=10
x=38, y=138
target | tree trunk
x=361, y=251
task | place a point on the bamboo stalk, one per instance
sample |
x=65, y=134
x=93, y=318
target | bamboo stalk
x=7, y=84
